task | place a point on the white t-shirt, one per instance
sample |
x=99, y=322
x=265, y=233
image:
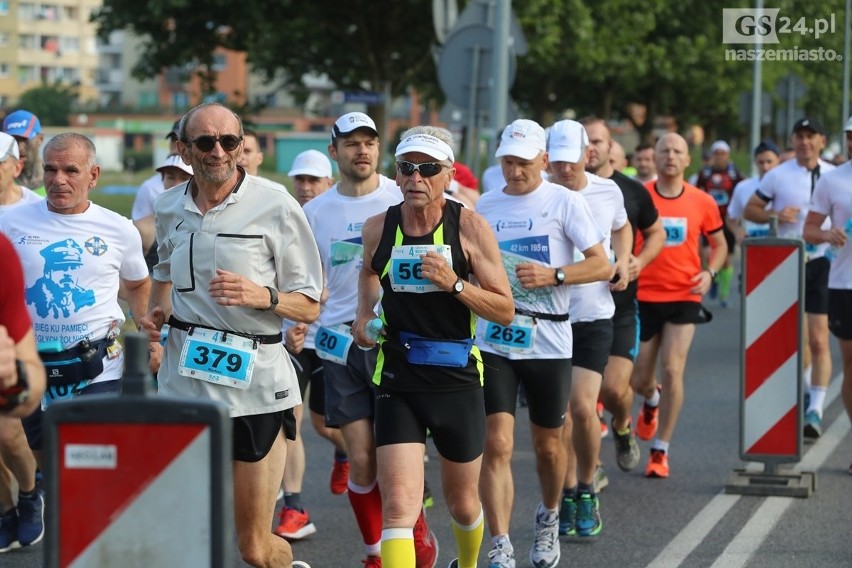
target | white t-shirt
x=72, y=265
x=544, y=227
x=143, y=203
x=492, y=179
x=593, y=301
x=336, y=221
x=742, y=193
x=833, y=197
x=789, y=185
x=27, y=196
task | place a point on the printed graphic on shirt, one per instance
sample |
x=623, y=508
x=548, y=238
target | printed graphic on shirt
x=346, y=251
x=57, y=291
x=527, y=249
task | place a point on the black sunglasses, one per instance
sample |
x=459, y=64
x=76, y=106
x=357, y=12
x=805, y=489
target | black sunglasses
x=427, y=169
x=229, y=142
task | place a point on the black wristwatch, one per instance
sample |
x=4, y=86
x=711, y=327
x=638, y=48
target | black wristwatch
x=712, y=273
x=273, y=298
x=458, y=287
x=17, y=394
x=560, y=276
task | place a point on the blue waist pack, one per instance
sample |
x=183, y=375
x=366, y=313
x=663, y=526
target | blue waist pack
x=437, y=352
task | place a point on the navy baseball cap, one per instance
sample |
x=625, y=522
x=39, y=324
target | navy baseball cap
x=767, y=146
x=811, y=124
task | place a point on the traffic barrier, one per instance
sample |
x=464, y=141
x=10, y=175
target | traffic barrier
x=137, y=480
x=771, y=368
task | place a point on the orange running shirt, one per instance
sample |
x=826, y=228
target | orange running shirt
x=669, y=277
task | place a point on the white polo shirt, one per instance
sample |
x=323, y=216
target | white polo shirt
x=789, y=185
x=544, y=227
x=593, y=301
x=259, y=232
x=833, y=197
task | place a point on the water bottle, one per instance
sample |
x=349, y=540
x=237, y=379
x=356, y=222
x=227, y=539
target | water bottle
x=834, y=250
x=373, y=330
x=164, y=333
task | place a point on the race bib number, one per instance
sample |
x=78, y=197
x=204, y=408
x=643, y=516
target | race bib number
x=217, y=357
x=406, y=268
x=333, y=343
x=519, y=337
x=720, y=196
x=55, y=393
x=675, y=230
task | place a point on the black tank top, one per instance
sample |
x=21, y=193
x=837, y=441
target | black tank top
x=437, y=315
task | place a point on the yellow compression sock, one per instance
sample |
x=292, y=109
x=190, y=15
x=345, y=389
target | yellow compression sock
x=398, y=548
x=468, y=541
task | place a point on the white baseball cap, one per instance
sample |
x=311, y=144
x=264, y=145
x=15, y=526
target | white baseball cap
x=426, y=144
x=848, y=127
x=8, y=146
x=522, y=138
x=720, y=145
x=567, y=141
x=311, y=163
x=175, y=161
x=350, y=122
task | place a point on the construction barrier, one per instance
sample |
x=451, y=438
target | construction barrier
x=771, y=367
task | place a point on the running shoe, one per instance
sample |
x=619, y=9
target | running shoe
x=658, y=464
x=300, y=564
x=567, y=515
x=501, y=555
x=604, y=427
x=30, y=518
x=646, y=425
x=601, y=480
x=454, y=563
x=813, y=425
x=294, y=524
x=425, y=543
x=627, y=453
x=588, y=515
x=339, y=477
x=9, y=530
x=372, y=562
x=545, y=549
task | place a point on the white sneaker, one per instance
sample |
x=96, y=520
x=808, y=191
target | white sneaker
x=502, y=555
x=545, y=550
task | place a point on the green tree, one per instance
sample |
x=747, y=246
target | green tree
x=51, y=103
x=365, y=45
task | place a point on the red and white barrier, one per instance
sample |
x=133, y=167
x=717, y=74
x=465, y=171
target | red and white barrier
x=773, y=280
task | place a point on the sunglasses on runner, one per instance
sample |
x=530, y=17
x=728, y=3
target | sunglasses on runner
x=427, y=169
x=229, y=142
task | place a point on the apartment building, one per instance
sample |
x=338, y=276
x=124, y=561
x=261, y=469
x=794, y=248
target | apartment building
x=47, y=41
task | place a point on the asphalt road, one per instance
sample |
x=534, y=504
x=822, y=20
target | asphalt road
x=685, y=520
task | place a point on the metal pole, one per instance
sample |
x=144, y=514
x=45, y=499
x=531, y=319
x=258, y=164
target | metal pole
x=500, y=92
x=472, y=107
x=846, y=54
x=756, y=92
